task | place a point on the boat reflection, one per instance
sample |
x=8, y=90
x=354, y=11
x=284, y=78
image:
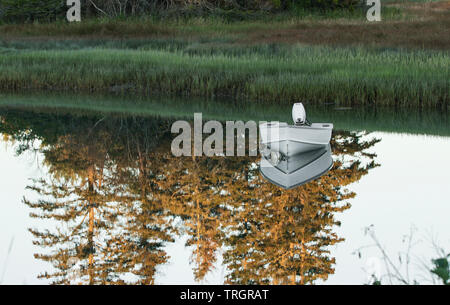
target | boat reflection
x=289, y=171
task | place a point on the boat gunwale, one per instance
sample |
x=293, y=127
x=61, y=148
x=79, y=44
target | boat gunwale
x=298, y=127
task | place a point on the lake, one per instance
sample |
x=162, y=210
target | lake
x=92, y=194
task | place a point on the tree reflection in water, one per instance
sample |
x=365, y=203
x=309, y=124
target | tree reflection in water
x=116, y=190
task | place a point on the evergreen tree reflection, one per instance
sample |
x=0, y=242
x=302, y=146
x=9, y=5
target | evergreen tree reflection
x=118, y=197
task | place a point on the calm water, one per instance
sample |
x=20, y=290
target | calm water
x=99, y=198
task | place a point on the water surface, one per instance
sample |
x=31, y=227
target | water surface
x=97, y=197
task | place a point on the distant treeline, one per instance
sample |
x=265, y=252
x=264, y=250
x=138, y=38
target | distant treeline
x=50, y=10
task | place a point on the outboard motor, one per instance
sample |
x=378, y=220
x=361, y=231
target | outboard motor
x=299, y=114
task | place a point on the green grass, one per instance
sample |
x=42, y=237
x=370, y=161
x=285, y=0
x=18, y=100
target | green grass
x=429, y=122
x=222, y=56
x=269, y=73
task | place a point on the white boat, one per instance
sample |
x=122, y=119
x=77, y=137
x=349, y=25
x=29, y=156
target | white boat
x=289, y=171
x=298, y=138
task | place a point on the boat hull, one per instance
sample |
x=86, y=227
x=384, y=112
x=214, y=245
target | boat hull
x=296, y=170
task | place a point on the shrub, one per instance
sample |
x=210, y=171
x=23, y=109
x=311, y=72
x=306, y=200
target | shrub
x=48, y=10
x=31, y=10
x=322, y=4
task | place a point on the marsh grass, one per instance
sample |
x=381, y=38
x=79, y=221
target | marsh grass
x=267, y=73
x=260, y=58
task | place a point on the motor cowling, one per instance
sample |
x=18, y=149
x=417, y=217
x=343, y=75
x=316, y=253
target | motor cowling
x=299, y=114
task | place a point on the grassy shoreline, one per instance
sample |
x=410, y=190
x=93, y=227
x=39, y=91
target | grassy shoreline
x=277, y=75
x=341, y=59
